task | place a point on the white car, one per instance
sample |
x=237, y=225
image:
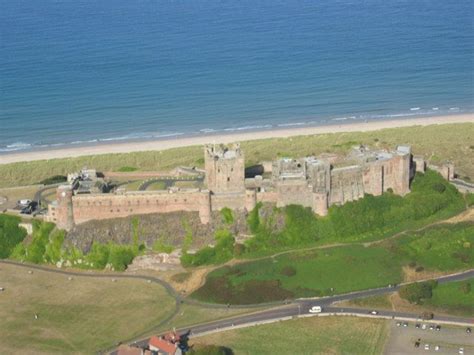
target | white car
x=374, y=313
x=427, y=346
x=315, y=309
x=437, y=347
x=461, y=350
x=423, y=326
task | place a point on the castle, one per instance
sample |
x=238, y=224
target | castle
x=317, y=183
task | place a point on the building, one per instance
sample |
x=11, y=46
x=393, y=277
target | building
x=314, y=182
x=167, y=344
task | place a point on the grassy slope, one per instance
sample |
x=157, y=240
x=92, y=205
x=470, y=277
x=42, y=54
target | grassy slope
x=450, y=298
x=435, y=142
x=345, y=269
x=324, y=335
x=78, y=316
x=447, y=299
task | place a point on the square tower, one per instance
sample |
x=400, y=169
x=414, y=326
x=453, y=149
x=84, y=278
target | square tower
x=225, y=168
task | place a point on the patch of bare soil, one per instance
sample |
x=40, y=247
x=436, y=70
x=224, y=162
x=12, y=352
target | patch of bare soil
x=195, y=280
x=411, y=275
x=466, y=216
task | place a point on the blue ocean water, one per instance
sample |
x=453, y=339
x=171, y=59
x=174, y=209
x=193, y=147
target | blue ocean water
x=75, y=71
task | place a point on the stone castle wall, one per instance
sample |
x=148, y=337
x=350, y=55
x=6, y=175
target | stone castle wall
x=309, y=182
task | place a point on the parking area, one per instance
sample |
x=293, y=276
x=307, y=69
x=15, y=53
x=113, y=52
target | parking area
x=425, y=338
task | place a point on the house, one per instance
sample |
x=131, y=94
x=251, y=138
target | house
x=167, y=344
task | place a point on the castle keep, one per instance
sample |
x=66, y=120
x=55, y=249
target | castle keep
x=314, y=182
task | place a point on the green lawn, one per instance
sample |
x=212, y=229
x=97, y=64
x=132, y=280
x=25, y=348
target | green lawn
x=315, y=335
x=453, y=298
x=82, y=315
x=302, y=274
x=437, y=142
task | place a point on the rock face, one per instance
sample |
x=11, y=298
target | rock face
x=166, y=229
x=158, y=262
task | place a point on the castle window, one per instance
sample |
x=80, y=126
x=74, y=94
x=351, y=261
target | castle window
x=228, y=178
x=112, y=211
x=218, y=170
x=118, y=210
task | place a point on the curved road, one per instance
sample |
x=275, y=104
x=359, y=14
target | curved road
x=295, y=308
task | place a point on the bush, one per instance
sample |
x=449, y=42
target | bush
x=121, y=256
x=417, y=292
x=11, y=234
x=162, y=247
x=253, y=220
x=98, y=255
x=227, y=216
x=36, y=250
x=56, y=179
x=288, y=271
x=222, y=252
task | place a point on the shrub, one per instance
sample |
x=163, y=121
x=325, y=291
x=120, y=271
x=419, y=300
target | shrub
x=11, y=234
x=162, y=247
x=288, y=271
x=56, y=179
x=35, y=251
x=417, y=292
x=227, y=216
x=121, y=256
x=253, y=219
x=98, y=255
x=222, y=252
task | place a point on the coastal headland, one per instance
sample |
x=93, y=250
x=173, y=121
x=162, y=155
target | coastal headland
x=158, y=145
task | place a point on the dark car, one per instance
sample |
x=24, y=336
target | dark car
x=468, y=330
x=438, y=328
x=30, y=208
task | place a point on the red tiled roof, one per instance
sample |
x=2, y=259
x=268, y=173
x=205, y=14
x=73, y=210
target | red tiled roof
x=162, y=344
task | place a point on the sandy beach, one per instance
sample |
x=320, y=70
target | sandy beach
x=127, y=147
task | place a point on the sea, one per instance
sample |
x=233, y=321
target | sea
x=78, y=72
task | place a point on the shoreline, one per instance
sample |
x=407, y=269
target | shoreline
x=168, y=143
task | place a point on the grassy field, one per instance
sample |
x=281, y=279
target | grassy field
x=82, y=315
x=453, y=298
x=302, y=274
x=320, y=272
x=446, y=247
x=315, y=335
x=158, y=185
x=449, y=298
x=436, y=143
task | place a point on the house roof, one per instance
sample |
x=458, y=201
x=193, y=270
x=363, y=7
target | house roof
x=162, y=345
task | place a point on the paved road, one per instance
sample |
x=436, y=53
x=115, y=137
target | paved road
x=295, y=308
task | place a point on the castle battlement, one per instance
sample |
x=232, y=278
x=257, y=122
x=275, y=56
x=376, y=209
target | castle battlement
x=311, y=182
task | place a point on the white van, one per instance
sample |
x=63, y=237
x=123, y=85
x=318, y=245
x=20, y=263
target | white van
x=315, y=309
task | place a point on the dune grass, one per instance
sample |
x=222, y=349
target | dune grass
x=315, y=335
x=82, y=315
x=436, y=142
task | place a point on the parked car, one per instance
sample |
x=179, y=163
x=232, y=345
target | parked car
x=417, y=325
x=315, y=309
x=423, y=326
x=461, y=351
x=24, y=202
x=468, y=330
x=438, y=328
x=437, y=348
x=374, y=312
x=405, y=324
x=399, y=324
x=427, y=346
